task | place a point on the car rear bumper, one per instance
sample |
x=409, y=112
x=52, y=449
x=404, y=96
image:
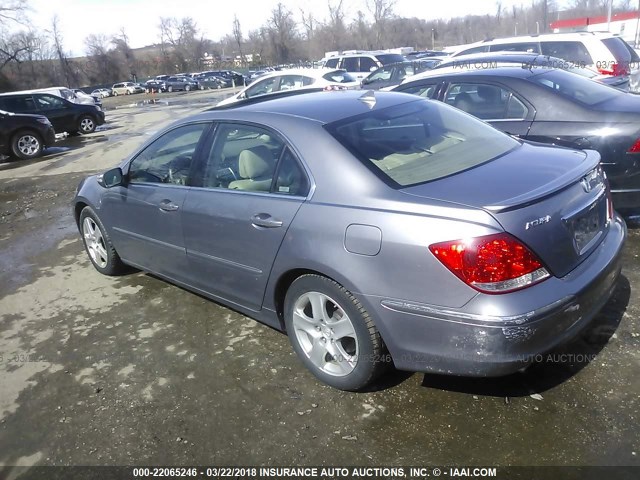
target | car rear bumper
x=425, y=338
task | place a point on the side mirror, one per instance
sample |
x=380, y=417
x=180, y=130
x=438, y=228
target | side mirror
x=373, y=69
x=112, y=178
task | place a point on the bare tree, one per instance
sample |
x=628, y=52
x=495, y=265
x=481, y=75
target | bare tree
x=66, y=70
x=382, y=11
x=237, y=35
x=283, y=36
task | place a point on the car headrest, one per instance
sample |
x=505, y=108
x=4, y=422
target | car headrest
x=255, y=162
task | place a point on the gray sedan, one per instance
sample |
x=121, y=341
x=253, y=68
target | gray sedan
x=374, y=229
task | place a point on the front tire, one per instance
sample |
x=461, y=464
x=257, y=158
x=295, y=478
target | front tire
x=170, y=89
x=332, y=333
x=98, y=244
x=26, y=145
x=187, y=88
x=86, y=124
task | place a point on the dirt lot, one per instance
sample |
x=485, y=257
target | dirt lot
x=130, y=370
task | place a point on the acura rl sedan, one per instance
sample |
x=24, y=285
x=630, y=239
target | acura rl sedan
x=371, y=228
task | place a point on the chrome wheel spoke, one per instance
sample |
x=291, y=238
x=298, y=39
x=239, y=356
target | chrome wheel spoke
x=318, y=306
x=342, y=328
x=318, y=354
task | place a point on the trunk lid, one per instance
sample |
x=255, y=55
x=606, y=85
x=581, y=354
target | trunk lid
x=552, y=199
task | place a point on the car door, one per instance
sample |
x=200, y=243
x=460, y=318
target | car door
x=248, y=189
x=59, y=112
x=145, y=214
x=492, y=102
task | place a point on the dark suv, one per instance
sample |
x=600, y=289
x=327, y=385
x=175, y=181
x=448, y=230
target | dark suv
x=24, y=136
x=65, y=116
x=180, y=83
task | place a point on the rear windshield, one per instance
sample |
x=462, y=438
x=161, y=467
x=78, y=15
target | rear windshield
x=390, y=58
x=623, y=54
x=420, y=141
x=575, y=87
x=339, y=76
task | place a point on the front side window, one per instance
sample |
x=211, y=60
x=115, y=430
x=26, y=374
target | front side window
x=331, y=63
x=49, y=102
x=168, y=159
x=420, y=141
x=421, y=89
x=367, y=64
x=251, y=158
x=489, y=102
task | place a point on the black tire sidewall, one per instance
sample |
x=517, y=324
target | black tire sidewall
x=114, y=264
x=367, y=364
x=14, y=145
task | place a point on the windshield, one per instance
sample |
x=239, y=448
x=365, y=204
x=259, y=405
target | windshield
x=575, y=87
x=420, y=141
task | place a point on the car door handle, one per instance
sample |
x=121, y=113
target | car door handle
x=265, y=220
x=168, y=206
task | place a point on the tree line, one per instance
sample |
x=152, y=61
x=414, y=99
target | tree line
x=31, y=58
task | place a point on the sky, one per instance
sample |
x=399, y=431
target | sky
x=140, y=18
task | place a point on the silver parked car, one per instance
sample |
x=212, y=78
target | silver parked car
x=370, y=227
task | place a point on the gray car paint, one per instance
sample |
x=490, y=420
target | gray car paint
x=428, y=318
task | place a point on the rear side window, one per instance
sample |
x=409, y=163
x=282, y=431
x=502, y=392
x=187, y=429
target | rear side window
x=489, y=102
x=531, y=47
x=331, y=63
x=574, y=52
x=18, y=104
x=350, y=64
x=420, y=141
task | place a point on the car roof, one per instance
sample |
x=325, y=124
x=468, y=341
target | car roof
x=307, y=72
x=324, y=107
x=504, y=70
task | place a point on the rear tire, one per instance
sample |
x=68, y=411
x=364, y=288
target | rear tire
x=170, y=89
x=332, y=333
x=187, y=88
x=98, y=245
x=26, y=145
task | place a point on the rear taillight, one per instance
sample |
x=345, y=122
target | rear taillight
x=492, y=264
x=615, y=70
x=635, y=148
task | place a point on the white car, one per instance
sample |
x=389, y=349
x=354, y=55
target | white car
x=609, y=54
x=295, y=79
x=101, y=92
